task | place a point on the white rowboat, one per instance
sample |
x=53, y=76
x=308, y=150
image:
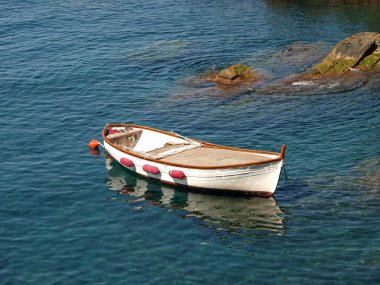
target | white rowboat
x=180, y=161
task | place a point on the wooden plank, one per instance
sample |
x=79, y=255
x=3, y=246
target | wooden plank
x=205, y=156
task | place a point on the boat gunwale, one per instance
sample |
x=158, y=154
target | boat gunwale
x=280, y=155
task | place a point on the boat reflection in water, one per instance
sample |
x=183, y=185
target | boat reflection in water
x=239, y=215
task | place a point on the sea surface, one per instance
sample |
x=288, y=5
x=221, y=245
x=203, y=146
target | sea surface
x=68, y=216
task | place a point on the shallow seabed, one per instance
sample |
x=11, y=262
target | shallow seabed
x=69, y=217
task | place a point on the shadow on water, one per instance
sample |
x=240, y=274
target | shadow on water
x=254, y=216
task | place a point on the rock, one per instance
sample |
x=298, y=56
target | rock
x=237, y=73
x=369, y=173
x=359, y=51
x=298, y=55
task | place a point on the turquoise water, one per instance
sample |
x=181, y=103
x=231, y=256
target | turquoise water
x=69, y=217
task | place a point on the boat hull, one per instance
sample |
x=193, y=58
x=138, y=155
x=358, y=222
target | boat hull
x=259, y=179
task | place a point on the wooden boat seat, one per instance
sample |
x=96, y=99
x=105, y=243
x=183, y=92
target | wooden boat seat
x=128, y=139
x=207, y=156
x=169, y=149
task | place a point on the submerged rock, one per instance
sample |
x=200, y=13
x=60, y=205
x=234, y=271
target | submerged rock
x=298, y=55
x=369, y=173
x=359, y=51
x=159, y=51
x=234, y=74
x=352, y=63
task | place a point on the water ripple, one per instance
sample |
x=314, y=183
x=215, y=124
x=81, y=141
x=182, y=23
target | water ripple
x=68, y=68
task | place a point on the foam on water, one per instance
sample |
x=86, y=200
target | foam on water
x=303, y=83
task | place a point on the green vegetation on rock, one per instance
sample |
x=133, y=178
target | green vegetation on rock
x=239, y=68
x=234, y=74
x=340, y=68
x=361, y=51
x=321, y=68
x=369, y=61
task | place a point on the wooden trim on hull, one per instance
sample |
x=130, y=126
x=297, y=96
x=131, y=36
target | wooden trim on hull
x=280, y=155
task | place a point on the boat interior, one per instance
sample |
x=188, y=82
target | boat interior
x=178, y=149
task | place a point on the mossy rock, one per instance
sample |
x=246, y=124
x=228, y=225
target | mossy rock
x=337, y=68
x=320, y=68
x=357, y=51
x=369, y=61
x=237, y=73
x=340, y=68
x=241, y=70
x=234, y=71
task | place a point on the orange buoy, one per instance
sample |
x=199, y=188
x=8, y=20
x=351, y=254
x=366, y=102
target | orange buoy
x=93, y=144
